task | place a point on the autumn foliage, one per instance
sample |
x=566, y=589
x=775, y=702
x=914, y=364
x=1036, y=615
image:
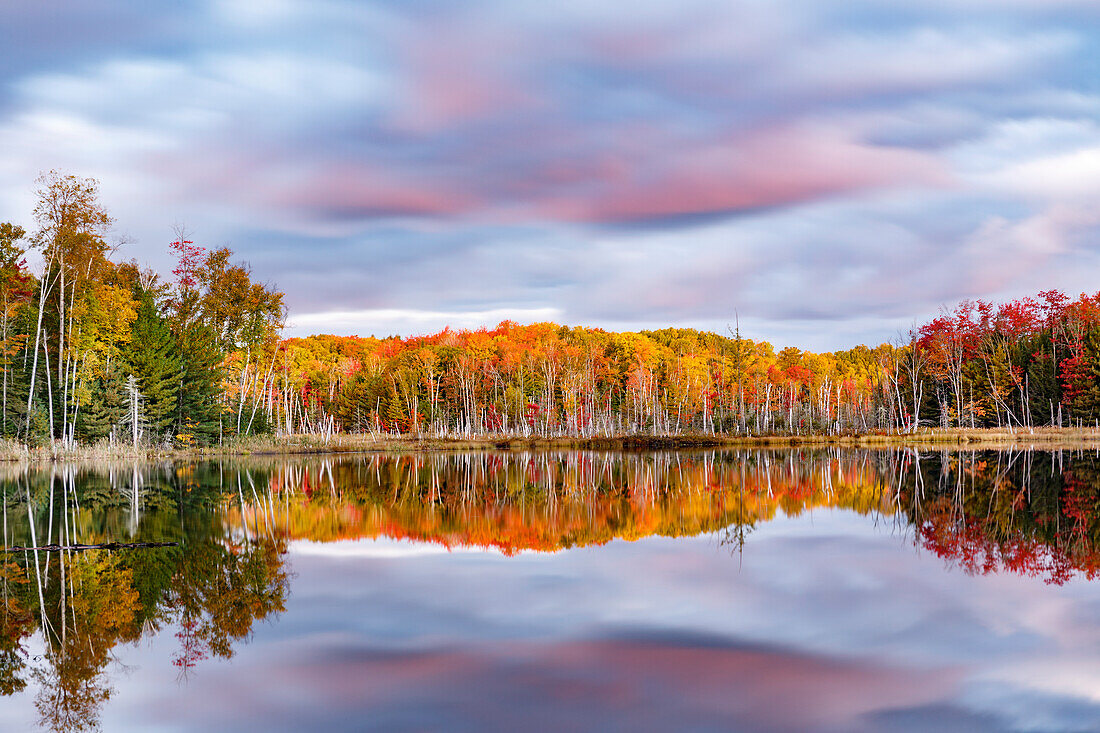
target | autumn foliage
x=1029, y=362
x=546, y=379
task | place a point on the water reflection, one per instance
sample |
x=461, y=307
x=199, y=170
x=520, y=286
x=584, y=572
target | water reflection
x=1031, y=513
x=553, y=501
x=212, y=587
x=65, y=612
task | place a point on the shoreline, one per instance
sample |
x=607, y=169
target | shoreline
x=316, y=445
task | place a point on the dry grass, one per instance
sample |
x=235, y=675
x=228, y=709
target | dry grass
x=403, y=443
x=14, y=451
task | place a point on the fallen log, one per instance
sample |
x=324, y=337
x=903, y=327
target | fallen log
x=100, y=546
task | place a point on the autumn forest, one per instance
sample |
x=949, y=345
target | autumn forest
x=95, y=350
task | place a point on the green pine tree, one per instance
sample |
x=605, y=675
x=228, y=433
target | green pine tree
x=105, y=407
x=397, y=416
x=1044, y=391
x=197, y=404
x=153, y=358
x=363, y=400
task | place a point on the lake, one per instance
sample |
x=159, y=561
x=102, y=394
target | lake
x=762, y=590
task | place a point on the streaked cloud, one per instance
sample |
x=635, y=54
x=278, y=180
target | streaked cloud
x=799, y=162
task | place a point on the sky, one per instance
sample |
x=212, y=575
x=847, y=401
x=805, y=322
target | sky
x=819, y=172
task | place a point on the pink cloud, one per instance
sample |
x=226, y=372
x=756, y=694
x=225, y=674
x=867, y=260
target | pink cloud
x=309, y=191
x=363, y=191
x=454, y=78
x=659, y=683
x=624, y=182
x=762, y=169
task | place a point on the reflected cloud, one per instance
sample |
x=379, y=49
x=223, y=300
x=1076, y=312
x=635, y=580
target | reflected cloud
x=375, y=549
x=704, y=684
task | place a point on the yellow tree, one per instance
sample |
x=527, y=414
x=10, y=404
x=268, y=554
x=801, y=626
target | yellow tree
x=71, y=224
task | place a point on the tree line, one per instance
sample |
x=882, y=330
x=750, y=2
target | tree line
x=92, y=349
x=1026, y=363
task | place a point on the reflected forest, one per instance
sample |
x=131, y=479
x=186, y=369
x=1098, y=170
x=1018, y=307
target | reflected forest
x=1027, y=512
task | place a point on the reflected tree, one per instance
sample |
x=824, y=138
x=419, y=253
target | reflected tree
x=84, y=604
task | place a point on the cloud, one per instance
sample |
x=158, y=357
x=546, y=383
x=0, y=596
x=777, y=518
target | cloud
x=774, y=167
x=1072, y=177
x=384, y=322
x=802, y=163
x=919, y=60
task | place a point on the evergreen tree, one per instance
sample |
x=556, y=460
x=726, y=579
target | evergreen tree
x=397, y=417
x=197, y=403
x=105, y=408
x=15, y=417
x=1044, y=391
x=154, y=360
x=361, y=401
x=1081, y=378
x=355, y=405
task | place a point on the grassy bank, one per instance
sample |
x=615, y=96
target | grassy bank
x=925, y=437
x=311, y=444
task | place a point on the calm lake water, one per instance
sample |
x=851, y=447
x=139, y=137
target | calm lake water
x=834, y=590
